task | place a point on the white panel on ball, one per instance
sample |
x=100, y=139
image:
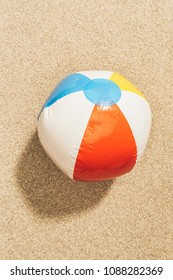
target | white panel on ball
x=62, y=125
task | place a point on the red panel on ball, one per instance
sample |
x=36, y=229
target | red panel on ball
x=108, y=148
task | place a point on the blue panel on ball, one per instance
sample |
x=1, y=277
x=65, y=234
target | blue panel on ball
x=102, y=92
x=70, y=84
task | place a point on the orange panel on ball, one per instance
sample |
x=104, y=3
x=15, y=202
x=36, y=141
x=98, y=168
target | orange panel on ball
x=108, y=148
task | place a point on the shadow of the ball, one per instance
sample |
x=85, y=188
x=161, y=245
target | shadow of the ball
x=48, y=192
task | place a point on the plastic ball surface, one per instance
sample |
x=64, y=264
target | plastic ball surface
x=95, y=125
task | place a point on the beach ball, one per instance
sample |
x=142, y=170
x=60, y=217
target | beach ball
x=95, y=125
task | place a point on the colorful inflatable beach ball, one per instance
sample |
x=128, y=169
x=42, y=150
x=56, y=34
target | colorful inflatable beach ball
x=95, y=125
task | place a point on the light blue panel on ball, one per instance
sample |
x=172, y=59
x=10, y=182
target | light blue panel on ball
x=70, y=84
